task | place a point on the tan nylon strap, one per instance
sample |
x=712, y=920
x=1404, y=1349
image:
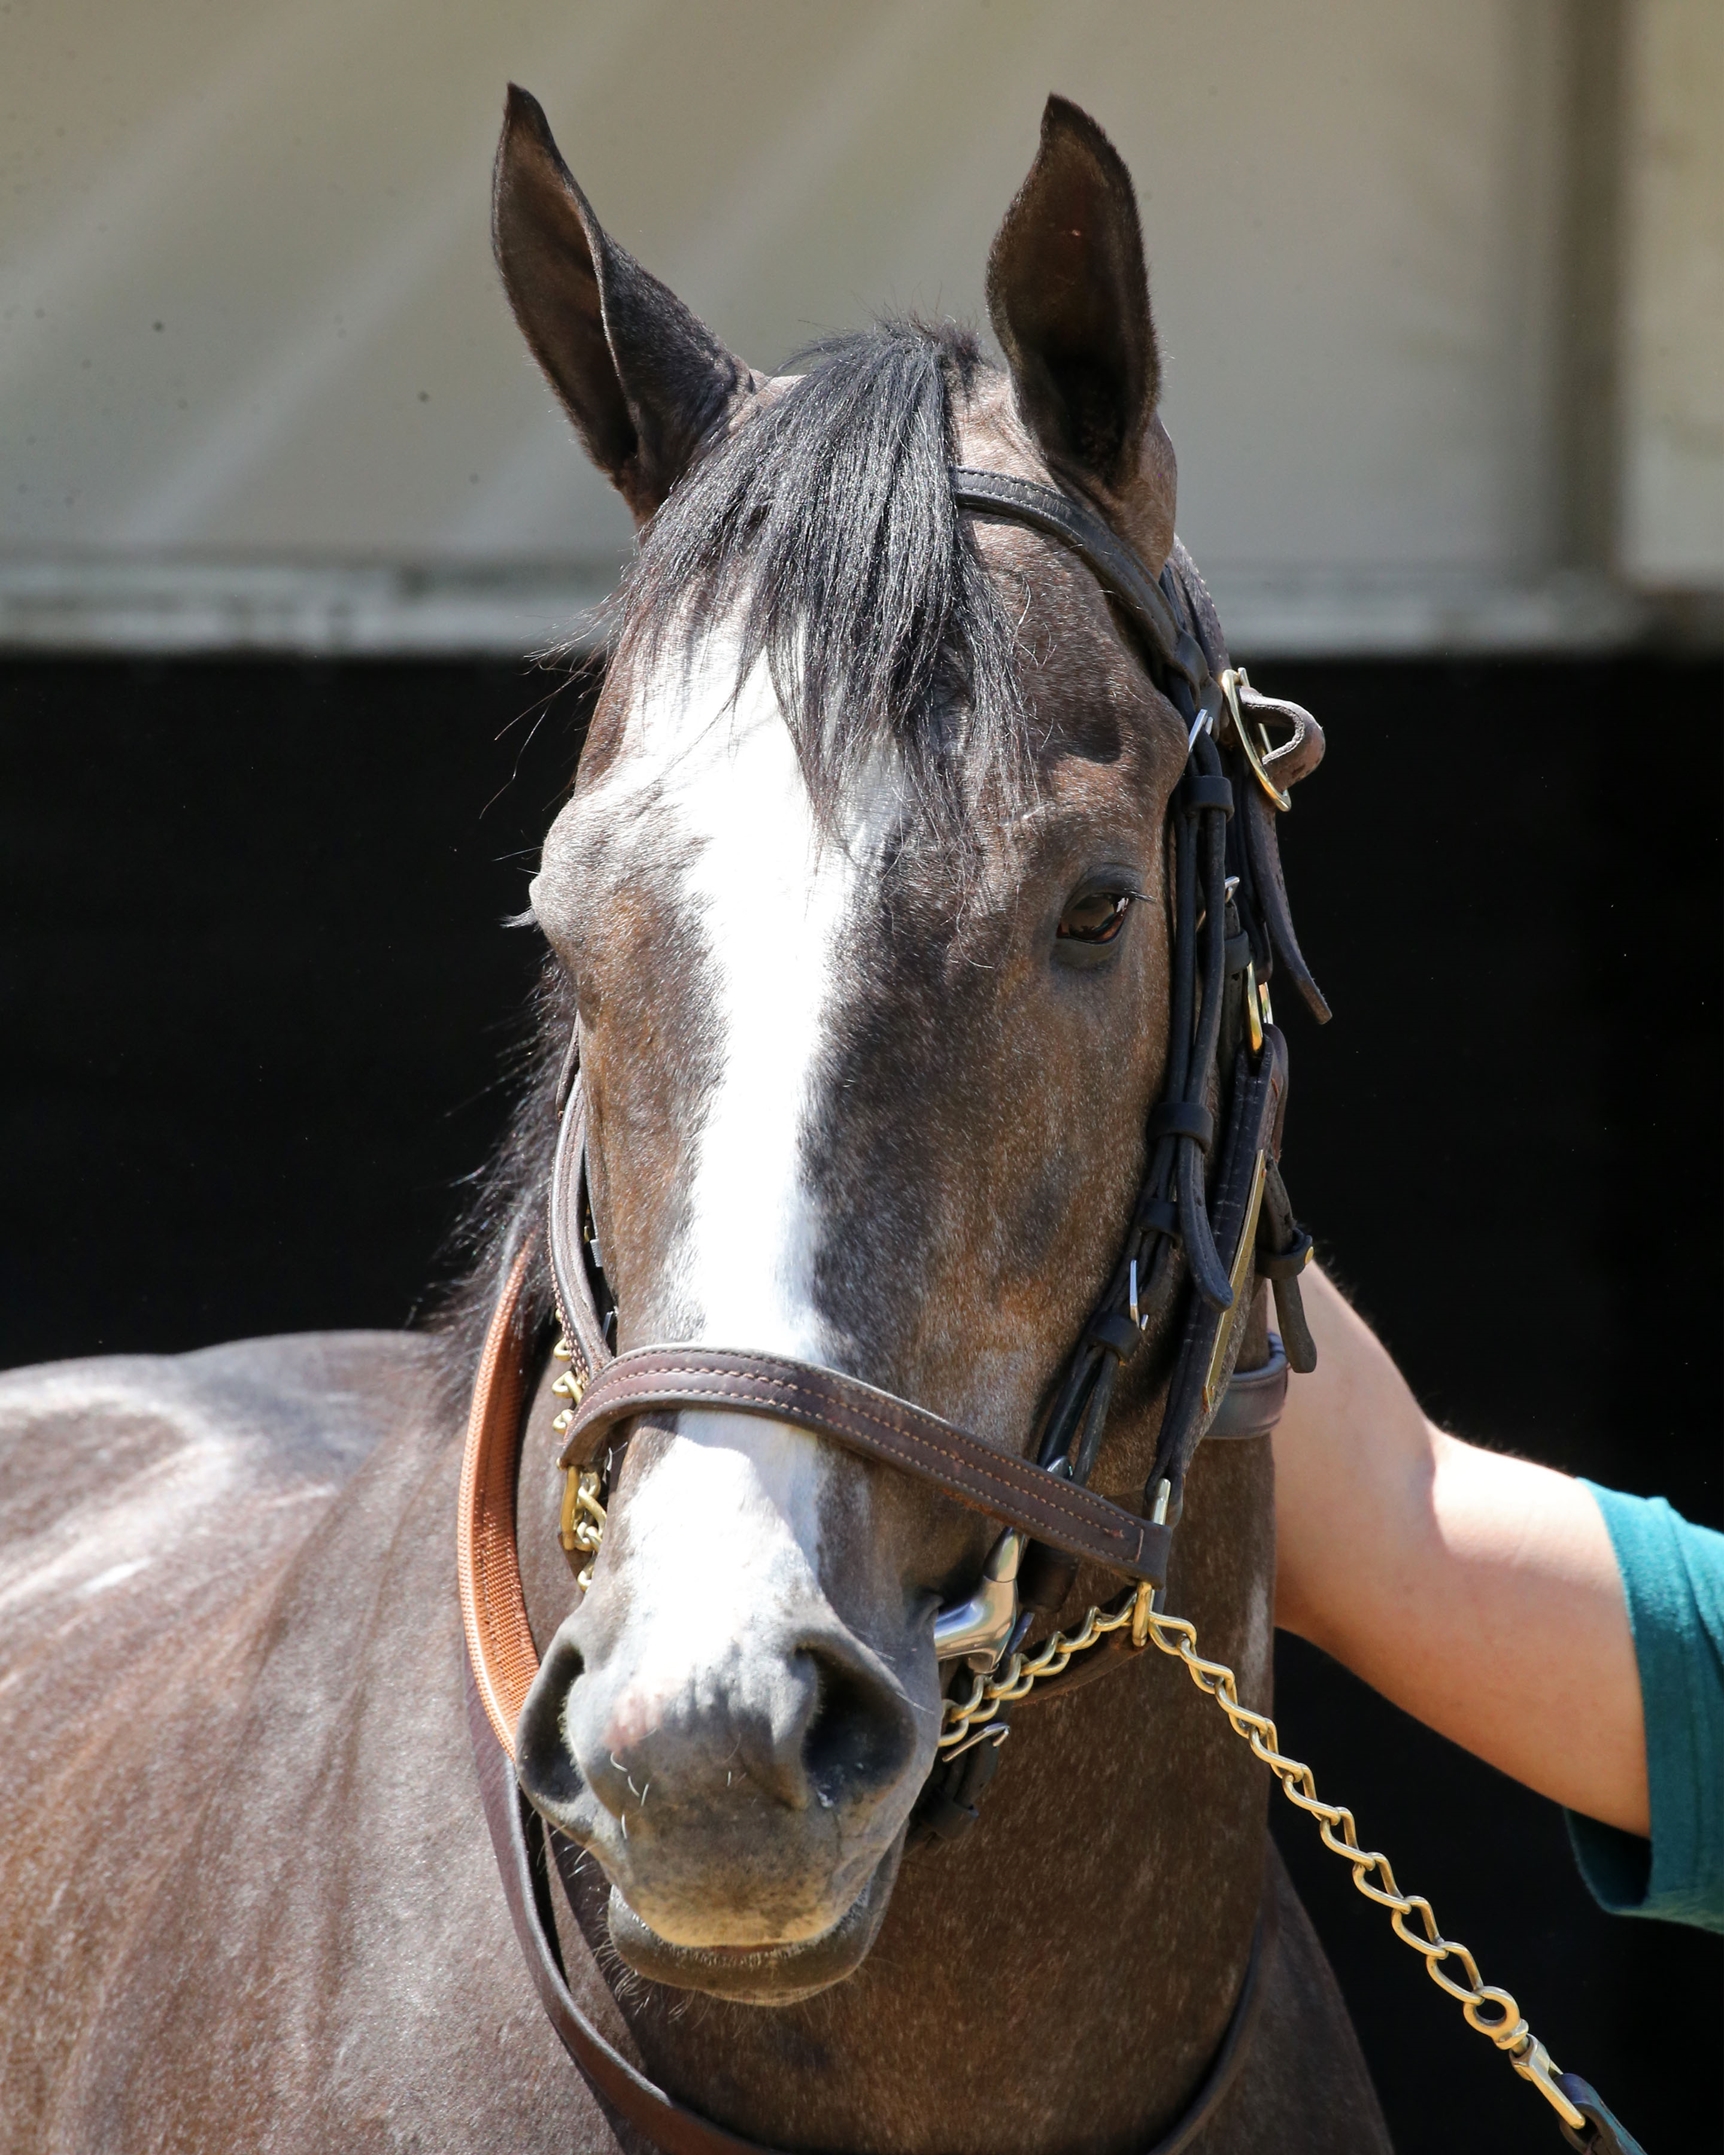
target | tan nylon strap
x=874, y=1423
x=500, y=1645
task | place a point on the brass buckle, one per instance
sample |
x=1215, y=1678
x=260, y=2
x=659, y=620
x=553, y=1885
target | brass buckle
x=1232, y=679
x=581, y=1525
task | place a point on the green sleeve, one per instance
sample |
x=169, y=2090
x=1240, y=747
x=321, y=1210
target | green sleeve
x=1673, y=1574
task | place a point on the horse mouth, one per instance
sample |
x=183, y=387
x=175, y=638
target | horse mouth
x=761, y=1975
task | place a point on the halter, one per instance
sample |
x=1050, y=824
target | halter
x=1211, y=1219
x=1198, y=1201
x=1202, y=1196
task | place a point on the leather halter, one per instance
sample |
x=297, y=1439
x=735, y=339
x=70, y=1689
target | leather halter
x=1247, y=930
x=1186, y=1211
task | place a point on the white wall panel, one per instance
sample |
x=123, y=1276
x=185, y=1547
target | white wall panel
x=1352, y=215
x=1673, y=361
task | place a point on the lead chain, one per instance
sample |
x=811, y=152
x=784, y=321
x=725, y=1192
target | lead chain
x=1491, y=2011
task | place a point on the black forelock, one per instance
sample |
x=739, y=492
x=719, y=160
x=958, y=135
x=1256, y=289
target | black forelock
x=826, y=522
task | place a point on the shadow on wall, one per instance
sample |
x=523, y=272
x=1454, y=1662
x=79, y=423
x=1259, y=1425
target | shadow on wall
x=257, y=1004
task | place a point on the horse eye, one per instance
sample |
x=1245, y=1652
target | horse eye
x=1095, y=917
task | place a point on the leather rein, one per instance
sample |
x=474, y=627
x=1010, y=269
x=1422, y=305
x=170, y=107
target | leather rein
x=1211, y=1220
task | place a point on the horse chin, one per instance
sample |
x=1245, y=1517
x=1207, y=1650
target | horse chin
x=762, y=1975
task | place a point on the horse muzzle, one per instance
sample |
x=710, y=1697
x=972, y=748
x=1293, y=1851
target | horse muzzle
x=745, y=1791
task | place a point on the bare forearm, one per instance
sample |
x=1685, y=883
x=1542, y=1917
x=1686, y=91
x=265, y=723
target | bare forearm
x=1478, y=1592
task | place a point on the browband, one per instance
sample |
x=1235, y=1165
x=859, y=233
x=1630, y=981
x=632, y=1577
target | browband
x=1026, y=501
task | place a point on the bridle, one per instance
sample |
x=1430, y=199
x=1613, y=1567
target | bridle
x=1212, y=1219
x=1199, y=1197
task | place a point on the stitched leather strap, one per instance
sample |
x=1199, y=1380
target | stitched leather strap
x=518, y=1838
x=501, y=1657
x=874, y=1423
x=1604, y=2132
x=500, y=1647
x=1196, y=1393
x=852, y=1413
x=1026, y=501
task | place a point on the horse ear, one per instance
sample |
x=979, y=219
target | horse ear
x=644, y=382
x=1069, y=301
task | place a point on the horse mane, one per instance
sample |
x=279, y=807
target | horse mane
x=825, y=525
x=823, y=530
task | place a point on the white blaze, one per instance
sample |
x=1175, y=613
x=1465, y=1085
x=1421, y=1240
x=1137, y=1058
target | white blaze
x=773, y=894
x=774, y=902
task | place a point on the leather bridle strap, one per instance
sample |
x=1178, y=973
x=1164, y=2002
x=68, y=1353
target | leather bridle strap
x=518, y=1837
x=893, y=1431
x=1027, y=501
x=500, y=1649
x=1051, y=1503
x=502, y=1659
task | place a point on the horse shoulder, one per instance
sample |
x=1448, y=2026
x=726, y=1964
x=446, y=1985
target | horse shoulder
x=244, y=1855
x=149, y=1505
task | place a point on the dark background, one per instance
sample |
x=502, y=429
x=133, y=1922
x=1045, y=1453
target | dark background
x=256, y=1005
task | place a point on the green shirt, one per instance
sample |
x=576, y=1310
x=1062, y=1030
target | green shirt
x=1673, y=1574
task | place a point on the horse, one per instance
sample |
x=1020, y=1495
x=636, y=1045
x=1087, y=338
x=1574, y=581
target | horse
x=862, y=952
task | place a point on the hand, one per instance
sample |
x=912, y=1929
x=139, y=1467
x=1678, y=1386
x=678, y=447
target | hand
x=1479, y=1592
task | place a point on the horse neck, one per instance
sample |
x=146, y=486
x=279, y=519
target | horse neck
x=1077, y=1954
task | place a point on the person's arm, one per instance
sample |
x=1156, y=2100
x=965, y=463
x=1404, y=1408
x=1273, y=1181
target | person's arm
x=1480, y=1593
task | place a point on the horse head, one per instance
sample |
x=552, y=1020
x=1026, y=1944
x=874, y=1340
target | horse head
x=863, y=897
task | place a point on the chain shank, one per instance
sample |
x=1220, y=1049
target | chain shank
x=1491, y=2011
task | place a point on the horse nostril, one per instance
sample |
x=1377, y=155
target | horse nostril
x=544, y=1758
x=860, y=1736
